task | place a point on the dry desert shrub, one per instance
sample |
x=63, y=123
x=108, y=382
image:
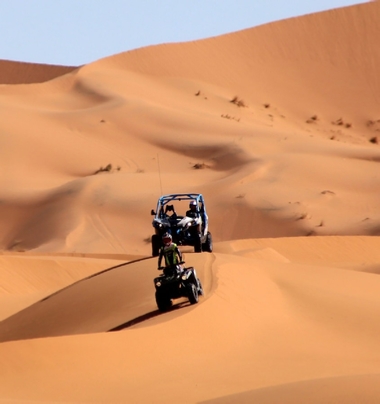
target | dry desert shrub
x=312, y=119
x=302, y=216
x=326, y=191
x=107, y=169
x=340, y=122
x=230, y=117
x=200, y=166
x=374, y=140
x=372, y=122
x=238, y=101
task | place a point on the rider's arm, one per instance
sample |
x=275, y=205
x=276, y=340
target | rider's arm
x=179, y=253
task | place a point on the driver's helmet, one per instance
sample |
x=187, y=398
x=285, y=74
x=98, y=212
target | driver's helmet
x=167, y=238
x=192, y=204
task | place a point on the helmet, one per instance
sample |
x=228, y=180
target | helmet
x=167, y=238
x=192, y=203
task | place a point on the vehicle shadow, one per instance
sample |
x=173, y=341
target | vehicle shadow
x=148, y=316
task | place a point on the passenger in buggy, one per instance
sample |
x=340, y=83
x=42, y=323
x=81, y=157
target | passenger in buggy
x=193, y=211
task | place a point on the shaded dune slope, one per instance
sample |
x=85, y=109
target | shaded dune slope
x=281, y=317
x=109, y=300
x=25, y=73
x=123, y=295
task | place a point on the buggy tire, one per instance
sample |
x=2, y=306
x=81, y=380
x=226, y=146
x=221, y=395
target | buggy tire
x=192, y=293
x=155, y=245
x=163, y=302
x=207, y=245
x=198, y=244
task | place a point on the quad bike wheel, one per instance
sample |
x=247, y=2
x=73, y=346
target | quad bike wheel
x=200, y=288
x=192, y=293
x=163, y=302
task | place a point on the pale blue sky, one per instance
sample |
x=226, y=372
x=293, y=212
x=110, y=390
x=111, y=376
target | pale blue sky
x=76, y=32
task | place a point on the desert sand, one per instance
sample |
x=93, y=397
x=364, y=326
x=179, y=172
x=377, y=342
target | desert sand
x=278, y=126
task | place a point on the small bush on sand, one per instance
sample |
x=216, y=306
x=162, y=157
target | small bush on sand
x=107, y=168
x=237, y=101
x=312, y=119
x=200, y=166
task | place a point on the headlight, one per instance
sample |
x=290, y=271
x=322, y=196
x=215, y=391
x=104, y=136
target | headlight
x=158, y=283
x=184, y=277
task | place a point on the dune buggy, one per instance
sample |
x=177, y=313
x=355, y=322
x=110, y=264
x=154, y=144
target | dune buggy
x=184, y=230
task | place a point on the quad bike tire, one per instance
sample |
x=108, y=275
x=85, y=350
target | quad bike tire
x=155, y=245
x=192, y=293
x=163, y=302
x=200, y=288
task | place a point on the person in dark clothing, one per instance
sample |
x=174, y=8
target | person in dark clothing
x=193, y=211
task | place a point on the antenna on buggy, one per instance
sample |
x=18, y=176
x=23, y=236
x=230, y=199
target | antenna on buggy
x=159, y=171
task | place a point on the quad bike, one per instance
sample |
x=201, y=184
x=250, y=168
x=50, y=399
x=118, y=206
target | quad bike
x=176, y=282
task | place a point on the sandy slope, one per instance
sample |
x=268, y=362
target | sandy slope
x=25, y=73
x=270, y=324
x=291, y=181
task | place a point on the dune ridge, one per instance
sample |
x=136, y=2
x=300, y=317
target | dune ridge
x=278, y=127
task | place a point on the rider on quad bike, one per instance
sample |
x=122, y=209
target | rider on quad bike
x=170, y=252
x=173, y=259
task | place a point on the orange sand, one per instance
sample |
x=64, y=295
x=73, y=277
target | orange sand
x=291, y=180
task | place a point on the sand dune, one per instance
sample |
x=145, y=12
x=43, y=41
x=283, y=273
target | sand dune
x=25, y=73
x=290, y=174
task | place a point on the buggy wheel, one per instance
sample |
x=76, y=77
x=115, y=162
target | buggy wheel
x=198, y=244
x=192, y=293
x=155, y=245
x=207, y=246
x=163, y=302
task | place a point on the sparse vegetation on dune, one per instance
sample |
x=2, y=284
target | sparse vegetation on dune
x=312, y=119
x=226, y=116
x=107, y=169
x=238, y=101
x=200, y=166
x=340, y=122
